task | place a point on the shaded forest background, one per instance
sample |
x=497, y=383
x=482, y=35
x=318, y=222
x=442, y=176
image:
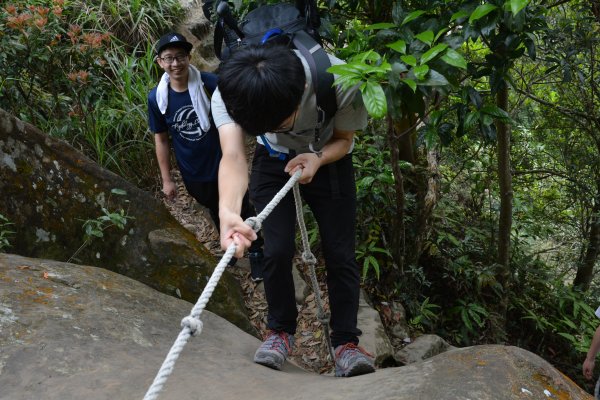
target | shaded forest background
x=478, y=176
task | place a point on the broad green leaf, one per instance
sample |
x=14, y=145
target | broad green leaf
x=440, y=33
x=496, y=112
x=370, y=55
x=431, y=53
x=411, y=84
x=120, y=192
x=518, y=5
x=425, y=37
x=347, y=69
x=398, y=68
x=471, y=119
x=412, y=16
x=568, y=336
x=481, y=12
x=434, y=78
x=399, y=46
x=410, y=60
x=421, y=71
x=454, y=58
x=381, y=25
x=374, y=99
x=459, y=14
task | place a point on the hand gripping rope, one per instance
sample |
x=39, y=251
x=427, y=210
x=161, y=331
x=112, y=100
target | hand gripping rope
x=192, y=325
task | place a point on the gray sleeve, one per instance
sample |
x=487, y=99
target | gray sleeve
x=219, y=112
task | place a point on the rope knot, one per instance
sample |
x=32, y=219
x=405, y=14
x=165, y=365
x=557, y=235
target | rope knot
x=254, y=223
x=323, y=318
x=309, y=258
x=194, y=324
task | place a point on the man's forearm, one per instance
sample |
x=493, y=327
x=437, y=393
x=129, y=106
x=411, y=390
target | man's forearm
x=163, y=154
x=337, y=147
x=594, y=346
x=233, y=183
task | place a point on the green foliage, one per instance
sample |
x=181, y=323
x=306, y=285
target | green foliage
x=5, y=232
x=51, y=67
x=65, y=73
x=366, y=254
x=94, y=228
x=374, y=199
x=426, y=316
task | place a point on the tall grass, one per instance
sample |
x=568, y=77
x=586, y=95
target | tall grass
x=82, y=71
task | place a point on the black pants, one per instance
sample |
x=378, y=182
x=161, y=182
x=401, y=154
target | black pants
x=331, y=197
x=207, y=194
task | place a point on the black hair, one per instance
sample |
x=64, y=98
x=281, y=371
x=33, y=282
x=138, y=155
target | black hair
x=261, y=86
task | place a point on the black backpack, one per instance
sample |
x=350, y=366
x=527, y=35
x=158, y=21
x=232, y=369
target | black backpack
x=293, y=25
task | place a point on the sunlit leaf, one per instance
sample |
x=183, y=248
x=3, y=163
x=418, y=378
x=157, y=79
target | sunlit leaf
x=431, y=53
x=412, y=16
x=410, y=60
x=454, y=58
x=518, y=5
x=425, y=37
x=381, y=25
x=421, y=71
x=399, y=46
x=458, y=15
x=481, y=12
x=411, y=84
x=374, y=99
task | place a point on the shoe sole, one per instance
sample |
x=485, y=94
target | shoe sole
x=357, y=369
x=270, y=362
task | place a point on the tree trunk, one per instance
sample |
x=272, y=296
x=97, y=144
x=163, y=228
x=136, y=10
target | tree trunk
x=585, y=271
x=422, y=181
x=506, y=195
x=398, y=231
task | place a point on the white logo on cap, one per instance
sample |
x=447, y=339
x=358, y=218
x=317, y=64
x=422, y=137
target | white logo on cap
x=174, y=39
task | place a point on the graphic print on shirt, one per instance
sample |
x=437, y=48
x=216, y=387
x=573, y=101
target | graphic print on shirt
x=186, y=124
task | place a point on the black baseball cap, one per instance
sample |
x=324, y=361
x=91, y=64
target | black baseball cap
x=173, y=39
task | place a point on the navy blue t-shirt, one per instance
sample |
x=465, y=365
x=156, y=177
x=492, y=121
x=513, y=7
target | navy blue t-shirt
x=198, y=153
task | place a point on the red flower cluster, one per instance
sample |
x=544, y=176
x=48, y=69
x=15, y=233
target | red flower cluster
x=79, y=76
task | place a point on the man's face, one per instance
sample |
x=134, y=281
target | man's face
x=175, y=61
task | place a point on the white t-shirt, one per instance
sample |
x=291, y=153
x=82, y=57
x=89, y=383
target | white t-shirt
x=598, y=312
x=351, y=115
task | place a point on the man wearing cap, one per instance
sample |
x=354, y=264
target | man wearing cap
x=179, y=107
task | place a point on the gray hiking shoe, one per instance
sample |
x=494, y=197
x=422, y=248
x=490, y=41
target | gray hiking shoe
x=352, y=360
x=274, y=350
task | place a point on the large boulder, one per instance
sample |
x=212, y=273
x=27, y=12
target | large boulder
x=79, y=332
x=49, y=188
x=199, y=31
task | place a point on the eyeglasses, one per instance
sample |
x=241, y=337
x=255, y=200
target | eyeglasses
x=171, y=59
x=283, y=129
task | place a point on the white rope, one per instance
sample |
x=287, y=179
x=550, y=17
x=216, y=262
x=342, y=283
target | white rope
x=192, y=325
x=309, y=259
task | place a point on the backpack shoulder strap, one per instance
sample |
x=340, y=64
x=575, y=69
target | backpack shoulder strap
x=318, y=62
x=210, y=82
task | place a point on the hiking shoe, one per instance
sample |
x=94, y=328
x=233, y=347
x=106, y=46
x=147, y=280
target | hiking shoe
x=352, y=360
x=274, y=350
x=256, y=266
